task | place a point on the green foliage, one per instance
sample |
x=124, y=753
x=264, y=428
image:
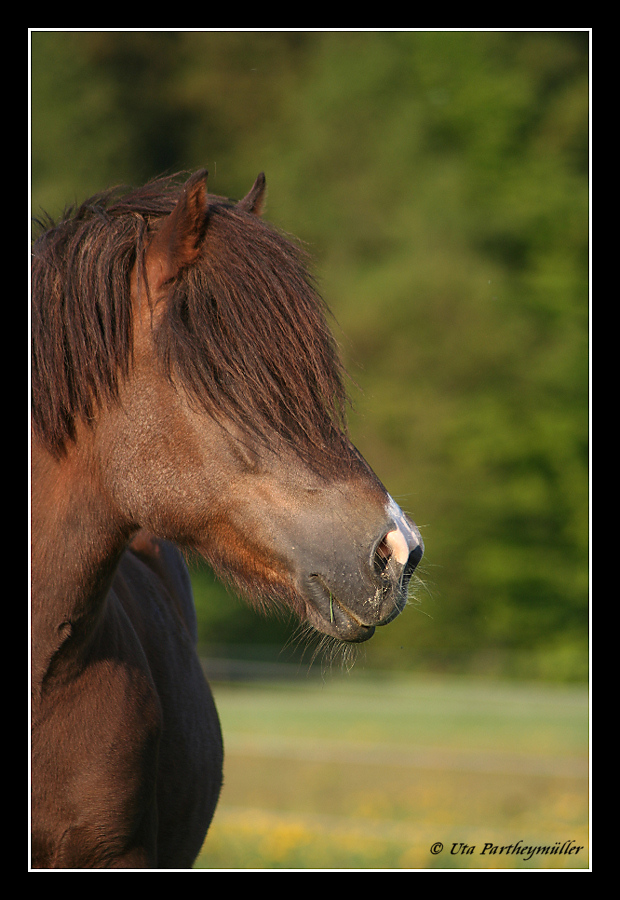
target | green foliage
x=441, y=181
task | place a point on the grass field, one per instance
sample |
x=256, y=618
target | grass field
x=368, y=772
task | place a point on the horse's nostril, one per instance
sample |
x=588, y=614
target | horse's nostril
x=394, y=547
x=382, y=556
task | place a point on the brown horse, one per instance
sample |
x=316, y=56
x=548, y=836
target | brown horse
x=186, y=391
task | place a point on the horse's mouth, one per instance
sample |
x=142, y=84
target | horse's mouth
x=331, y=616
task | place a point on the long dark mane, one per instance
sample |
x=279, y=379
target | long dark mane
x=244, y=330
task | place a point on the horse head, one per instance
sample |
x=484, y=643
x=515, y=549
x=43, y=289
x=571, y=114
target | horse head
x=226, y=432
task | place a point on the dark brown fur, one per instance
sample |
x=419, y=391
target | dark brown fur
x=186, y=389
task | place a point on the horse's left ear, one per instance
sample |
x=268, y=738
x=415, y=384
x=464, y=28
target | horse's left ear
x=176, y=245
x=253, y=201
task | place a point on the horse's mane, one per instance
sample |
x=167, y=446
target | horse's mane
x=244, y=330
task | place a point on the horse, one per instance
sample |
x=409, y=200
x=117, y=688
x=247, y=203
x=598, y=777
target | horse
x=187, y=397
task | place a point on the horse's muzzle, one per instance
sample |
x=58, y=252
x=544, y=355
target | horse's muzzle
x=351, y=599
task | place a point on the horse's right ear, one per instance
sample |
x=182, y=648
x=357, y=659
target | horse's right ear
x=177, y=243
x=253, y=201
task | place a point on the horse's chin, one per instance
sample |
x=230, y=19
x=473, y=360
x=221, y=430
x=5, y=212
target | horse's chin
x=355, y=633
x=330, y=616
x=351, y=632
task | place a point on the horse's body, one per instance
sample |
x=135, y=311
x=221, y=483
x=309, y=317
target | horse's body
x=185, y=386
x=127, y=751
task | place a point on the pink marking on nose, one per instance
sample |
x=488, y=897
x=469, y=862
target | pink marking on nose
x=398, y=545
x=404, y=538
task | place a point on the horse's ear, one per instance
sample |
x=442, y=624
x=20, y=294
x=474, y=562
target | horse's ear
x=253, y=201
x=177, y=243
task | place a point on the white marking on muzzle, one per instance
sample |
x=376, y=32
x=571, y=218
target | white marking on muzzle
x=403, y=539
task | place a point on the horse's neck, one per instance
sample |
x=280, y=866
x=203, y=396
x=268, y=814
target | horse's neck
x=75, y=548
